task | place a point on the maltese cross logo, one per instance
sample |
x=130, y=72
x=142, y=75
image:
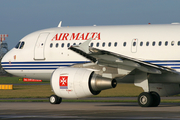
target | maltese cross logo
x=63, y=82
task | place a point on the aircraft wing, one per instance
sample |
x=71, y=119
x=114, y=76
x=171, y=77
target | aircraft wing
x=110, y=59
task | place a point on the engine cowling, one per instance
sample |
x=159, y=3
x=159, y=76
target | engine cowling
x=78, y=82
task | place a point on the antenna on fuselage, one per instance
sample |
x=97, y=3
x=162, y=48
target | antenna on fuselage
x=60, y=24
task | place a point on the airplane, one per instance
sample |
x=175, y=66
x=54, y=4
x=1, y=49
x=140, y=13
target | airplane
x=81, y=61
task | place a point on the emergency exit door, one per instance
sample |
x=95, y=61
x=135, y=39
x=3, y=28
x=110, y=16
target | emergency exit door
x=134, y=45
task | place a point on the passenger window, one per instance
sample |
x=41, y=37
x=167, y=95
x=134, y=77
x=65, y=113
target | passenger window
x=62, y=45
x=17, y=46
x=68, y=44
x=97, y=45
x=154, y=43
x=22, y=45
x=115, y=44
x=134, y=43
x=172, y=43
x=166, y=43
x=103, y=44
x=51, y=45
x=147, y=43
x=141, y=43
x=178, y=43
x=109, y=44
x=160, y=43
x=91, y=44
x=57, y=44
x=74, y=43
x=124, y=44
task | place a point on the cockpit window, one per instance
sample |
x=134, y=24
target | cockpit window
x=20, y=45
x=17, y=46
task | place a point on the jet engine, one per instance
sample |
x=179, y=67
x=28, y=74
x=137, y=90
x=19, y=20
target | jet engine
x=79, y=82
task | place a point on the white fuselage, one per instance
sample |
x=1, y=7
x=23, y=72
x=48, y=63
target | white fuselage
x=46, y=50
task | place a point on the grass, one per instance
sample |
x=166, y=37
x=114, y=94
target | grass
x=24, y=91
x=122, y=90
x=44, y=91
x=16, y=80
x=27, y=91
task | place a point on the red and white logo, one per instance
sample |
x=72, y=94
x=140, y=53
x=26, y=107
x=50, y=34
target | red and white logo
x=63, y=82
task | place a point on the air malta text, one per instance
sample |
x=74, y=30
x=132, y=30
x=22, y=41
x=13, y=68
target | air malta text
x=77, y=36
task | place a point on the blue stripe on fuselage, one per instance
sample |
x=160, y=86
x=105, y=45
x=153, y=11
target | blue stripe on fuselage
x=175, y=64
x=38, y=65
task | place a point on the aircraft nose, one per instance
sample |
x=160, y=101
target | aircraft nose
x=6, y=60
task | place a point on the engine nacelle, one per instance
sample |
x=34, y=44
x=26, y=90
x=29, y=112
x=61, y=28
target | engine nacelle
x=78, y=82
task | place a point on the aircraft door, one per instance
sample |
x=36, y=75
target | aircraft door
x=134, y=45
x=39, y=47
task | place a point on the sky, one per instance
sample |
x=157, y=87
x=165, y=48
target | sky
x=21, y=17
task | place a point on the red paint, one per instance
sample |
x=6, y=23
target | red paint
x=31, y=80
x=69, y=91
x=63, y=81
x=14, y=57
x=159, y=88
x=77, y=36
x=65, y=36
x=74, y=36
x=2, y=37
